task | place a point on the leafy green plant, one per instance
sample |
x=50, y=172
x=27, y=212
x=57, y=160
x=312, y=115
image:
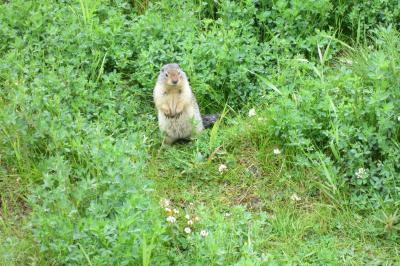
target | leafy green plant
x=350, y=116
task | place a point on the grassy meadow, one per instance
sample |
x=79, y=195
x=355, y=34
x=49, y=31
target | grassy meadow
x=303, y=167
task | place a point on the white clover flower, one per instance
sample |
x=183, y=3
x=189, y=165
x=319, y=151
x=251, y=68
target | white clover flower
x=295, y=197
x=252, y=112
x=187, y=216
x=171, y=219
x=360, y=173
x=187, y=230
x=176, y=211
x=204, y=233
x=222, y=168
x=277, y=151
x=190, y=222
x=167, y=209
x=165, y=202
x=72, y=213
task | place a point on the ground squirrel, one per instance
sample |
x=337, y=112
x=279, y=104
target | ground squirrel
x=178, y=112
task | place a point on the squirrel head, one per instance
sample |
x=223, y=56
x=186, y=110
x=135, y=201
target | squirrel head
x=171, y=75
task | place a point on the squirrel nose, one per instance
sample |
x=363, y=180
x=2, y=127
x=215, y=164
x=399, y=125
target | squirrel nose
x=174, y=81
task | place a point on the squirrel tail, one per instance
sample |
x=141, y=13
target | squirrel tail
x=209, y=120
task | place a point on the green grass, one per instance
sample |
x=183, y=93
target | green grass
x=83, y=171
x=300, y=226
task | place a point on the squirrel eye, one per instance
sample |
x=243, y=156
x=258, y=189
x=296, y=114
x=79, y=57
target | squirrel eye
x=166, y=74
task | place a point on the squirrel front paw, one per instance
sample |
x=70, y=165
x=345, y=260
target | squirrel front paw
x=179, y=108
x=165, y=109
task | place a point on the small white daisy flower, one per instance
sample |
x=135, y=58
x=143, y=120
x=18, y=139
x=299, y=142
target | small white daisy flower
x=171, y=219
x=176, y=211
x=187, y=216
x=196, y=218
x=295, y=197
x=204, y=233
x=398, y=118
x=165, y=202
x=222, y=168
x=277, y=151
x=227, y=214
x=190, y=222
x=167, y=209
x=360, y=173
x=187, y=230
x=252, y=112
